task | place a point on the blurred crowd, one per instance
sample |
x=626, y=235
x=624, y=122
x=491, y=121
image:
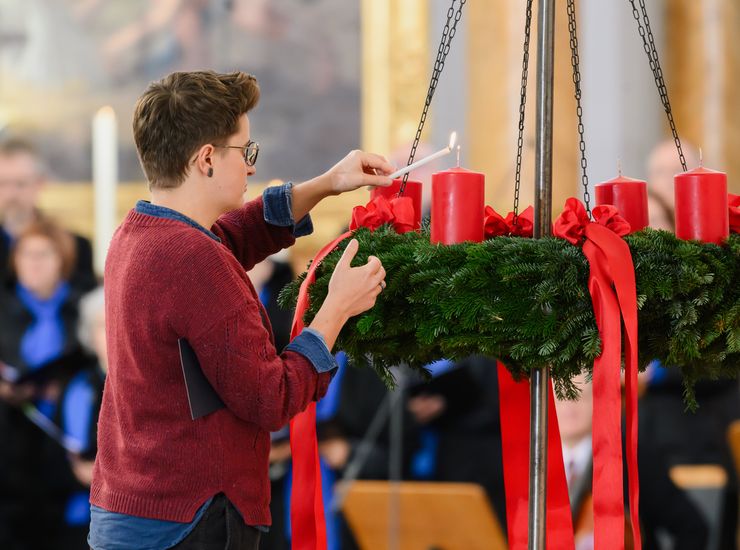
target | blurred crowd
x=52, y=373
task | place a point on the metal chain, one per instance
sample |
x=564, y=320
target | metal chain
x=453, y=18
x=575, y=62
x=522, y=110
x=648, y=44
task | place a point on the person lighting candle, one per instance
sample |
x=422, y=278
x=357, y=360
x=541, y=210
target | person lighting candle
x=176, y=269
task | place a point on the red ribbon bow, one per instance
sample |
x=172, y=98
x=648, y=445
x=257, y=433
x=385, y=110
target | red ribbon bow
x=398, y=212
x=495, y=225
x=614, y=297
x=734, y=207
x=571, y=224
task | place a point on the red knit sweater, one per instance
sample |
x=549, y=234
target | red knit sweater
x=165, y=280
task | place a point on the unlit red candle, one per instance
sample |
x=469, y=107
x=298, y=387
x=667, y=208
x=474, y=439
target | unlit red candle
x=701, y=206
x=457, y=206
x=629, y=197
x=413, y=191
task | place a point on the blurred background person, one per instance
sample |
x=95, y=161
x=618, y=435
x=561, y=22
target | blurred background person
x=662, y=165
x=457, y=419
x=22, y=177
x=575, y=419
x=664, y=508
x=269, y=277
x=77, y=418
x=667, y=429
x=38, y=351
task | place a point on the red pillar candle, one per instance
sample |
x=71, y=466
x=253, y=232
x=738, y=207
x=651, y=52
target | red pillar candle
x=413, y=191
x=629, y=197
x=457, y=206
x=701, y=206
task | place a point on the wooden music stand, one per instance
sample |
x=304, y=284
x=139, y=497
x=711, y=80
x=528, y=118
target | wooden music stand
x=433, y=516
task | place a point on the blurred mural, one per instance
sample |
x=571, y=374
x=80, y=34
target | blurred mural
x=60, y=60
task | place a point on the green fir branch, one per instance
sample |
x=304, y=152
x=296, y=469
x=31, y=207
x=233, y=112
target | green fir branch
x=526, y=302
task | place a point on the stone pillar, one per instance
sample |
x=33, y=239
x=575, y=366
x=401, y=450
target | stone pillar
x=494, y=61
x=395, y=71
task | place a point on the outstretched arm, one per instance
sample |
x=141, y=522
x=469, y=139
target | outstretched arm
x=357, y=169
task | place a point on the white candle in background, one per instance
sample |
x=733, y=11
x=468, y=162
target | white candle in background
x=105, y=180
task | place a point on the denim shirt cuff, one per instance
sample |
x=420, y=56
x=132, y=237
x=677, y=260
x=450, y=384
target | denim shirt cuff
x=278, y=207
x=311, y=344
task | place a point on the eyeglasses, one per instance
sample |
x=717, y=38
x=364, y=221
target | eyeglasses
x=250, y=151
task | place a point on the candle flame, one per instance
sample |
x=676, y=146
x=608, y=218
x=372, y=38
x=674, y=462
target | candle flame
x=106, y=112
x=453, y=141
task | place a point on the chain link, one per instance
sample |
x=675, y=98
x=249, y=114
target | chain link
x=522, y=110
x=648, y=44
x=575, y=62
x=450, y=28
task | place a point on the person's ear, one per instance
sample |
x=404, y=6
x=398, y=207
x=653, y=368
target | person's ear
x=204, y=160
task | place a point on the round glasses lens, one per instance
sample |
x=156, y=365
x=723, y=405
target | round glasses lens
x=252, y=152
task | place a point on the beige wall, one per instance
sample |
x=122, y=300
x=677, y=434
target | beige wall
x=495, y=47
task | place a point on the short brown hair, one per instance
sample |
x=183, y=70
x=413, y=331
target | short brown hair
x=18, y=146
x=62, y=241
x=14, y=145
x=182, y=112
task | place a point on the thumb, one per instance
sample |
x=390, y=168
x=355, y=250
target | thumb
x=348, y=254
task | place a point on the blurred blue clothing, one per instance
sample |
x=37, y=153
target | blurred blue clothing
x=657, y=373
x=438, y=368
x=78, y=407
x=44, y=339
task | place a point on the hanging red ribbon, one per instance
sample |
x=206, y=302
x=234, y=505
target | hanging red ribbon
x=398, y=212
x=306, y=505
x=734, y=207
x=614, y=297
x=308, y=526
x=514, y=404
x=496, y=226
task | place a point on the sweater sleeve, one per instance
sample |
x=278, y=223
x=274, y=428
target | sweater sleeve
x=255, y=383
x=262, y=226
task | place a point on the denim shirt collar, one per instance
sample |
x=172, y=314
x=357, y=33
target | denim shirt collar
x=145, y=207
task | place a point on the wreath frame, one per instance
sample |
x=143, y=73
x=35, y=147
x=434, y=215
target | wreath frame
x=526, y=302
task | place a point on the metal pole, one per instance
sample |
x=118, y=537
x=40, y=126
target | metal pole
x=540, y=379
x=396, y=462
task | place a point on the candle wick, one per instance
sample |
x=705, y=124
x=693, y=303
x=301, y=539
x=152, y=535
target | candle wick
x=619, y=167
x=701, y=158
x=458, y=156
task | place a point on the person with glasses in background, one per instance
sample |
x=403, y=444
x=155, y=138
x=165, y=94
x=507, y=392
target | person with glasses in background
x=176, y=271
x=23, y=176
